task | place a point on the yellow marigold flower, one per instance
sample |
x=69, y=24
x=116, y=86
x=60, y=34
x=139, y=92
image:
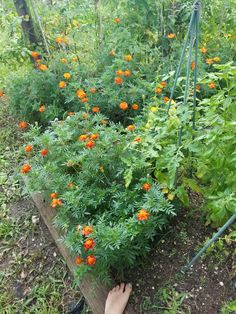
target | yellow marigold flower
x=171, y=36
x=62, y=84
x=216, y=59
x=203, y=50
x=212, y=85
x=67, y=76
x=209, y=61
x=158, y=90
x=128, y=58
x=75, y=59
x=112, y=53
x=63, y=60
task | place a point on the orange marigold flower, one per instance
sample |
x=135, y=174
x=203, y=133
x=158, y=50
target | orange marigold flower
x=42, y=108
x=75, y=59
x=89, y=244
x=25, y=168
x=209, y=61
x=143, y=215
x=198, y=87
x=56, y=202
x=28, y=148
x=83, y=100
x=138, y=139
x=146, y=186
x=118, y=80
x=130, y=127
x=216, y=59
x=112, y=53
x=127, y=73
x=94, y=136
x=71, y=113
x=78, y=260
x=171, y=36
x=117, y=20
x=87, y=230
x=44, y=152
x=91, y=260
x=62, y=84
x=135, y=107
x=119, y=72
x=212, y=85
x=163, y=84
x=93, y=90
x=83, y=137
x=128, y=57
x=81, y=93
x=34, y=54
x=1, y=93
x=42, y=67
x=23, y=125
x=53, y=195
x=123, y=105
x=166, y=99
x=63, y=60
x=70, y=185
x=59, y=40
x=67, y=76
x=90, y=144
x=203, y=50
x=95, y=109
x=193, y=65
x=158, y=90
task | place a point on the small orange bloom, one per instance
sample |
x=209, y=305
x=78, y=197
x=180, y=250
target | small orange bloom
x=75, y=59
x=130, y=127
x=216, y=59
x=91, y=260
x=25, y=168
x=81, y=93
x=34, y=54
x=63, y=60
x=123, y=105
x=42, y=67
x=212, y=85
x=28, y=148
x=146, y=186
x=163, y=84
x=56, y=202
x=90, y=144
x=158, y=90
x=143, y=215
x=67, y=76
x=83, y=100
x=127, y=73
x=93, y=90
x=95, y=109
x=117, y=20
x=23, y=125
x=128, y=58
x=42, y=108
x=83, y=137
x=62, y=84
x=135, y=107
x=166, y=99
x=53, y=195
x=171, y=36
x=198, y=88
x=118, y=80
x=138, y=139
x=87, y=230
x=112, y=53
x=209, y=61
x=119, y=72
x=1, y=93
x=44, y=152
x=94, y=136
x=61, y=40
x=89, y=244
x=37, y=60
x=78, y=260
x=70, y=185
x=203, y=50
x=71, y=113
x=193, y=65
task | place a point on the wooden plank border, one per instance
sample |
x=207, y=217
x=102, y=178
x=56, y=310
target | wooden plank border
x=94, y=292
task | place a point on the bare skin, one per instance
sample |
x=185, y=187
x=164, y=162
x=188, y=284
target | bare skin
x=117, y=299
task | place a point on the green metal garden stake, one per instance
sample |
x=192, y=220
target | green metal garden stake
x=213, y=239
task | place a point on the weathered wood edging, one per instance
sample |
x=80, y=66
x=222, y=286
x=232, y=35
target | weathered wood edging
x=94, y=292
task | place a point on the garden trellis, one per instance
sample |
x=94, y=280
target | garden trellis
x=193, y=38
